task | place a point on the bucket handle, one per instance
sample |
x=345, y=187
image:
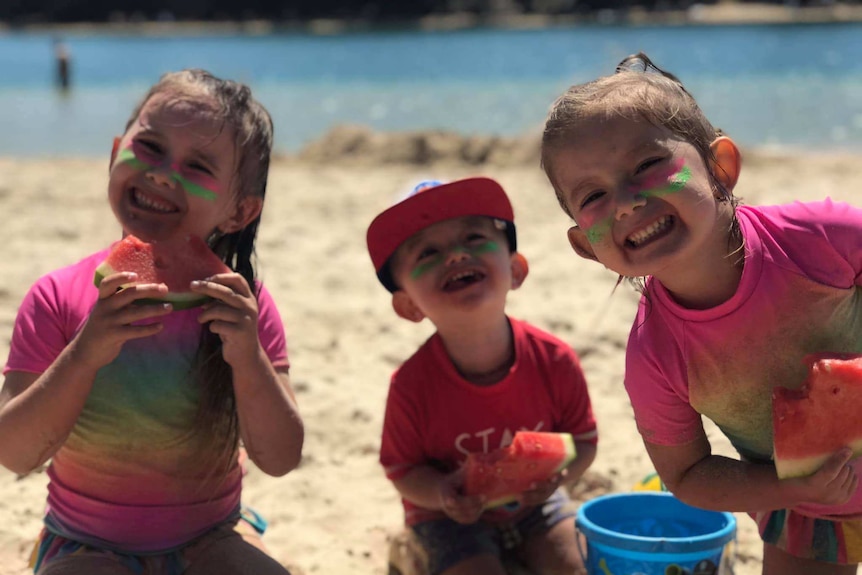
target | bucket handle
x=581, y=551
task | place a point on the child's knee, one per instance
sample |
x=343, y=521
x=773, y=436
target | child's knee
x=555, y=551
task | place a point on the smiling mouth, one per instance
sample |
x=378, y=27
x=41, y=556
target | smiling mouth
x=151, y=203
x=462, y=280
x=655, y=230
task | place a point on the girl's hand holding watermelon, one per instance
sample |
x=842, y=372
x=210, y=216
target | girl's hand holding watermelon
x=833, y=484
x=115, y=319
x=232, y=315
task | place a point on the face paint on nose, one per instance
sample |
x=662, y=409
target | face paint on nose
x=436, y=261
x=667, y=182
x=128, y=157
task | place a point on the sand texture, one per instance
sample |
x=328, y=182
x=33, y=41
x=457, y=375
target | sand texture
x=336, y=512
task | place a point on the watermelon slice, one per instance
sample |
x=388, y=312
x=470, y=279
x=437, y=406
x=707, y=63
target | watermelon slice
x=822, y=416
x=175, y=262
x=504, y=474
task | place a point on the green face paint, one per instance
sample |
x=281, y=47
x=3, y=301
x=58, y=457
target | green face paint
x=437, y=260
x=128, y=157
x=673, y=183
x=660, y=185
x=599, y=230
x=426, y=266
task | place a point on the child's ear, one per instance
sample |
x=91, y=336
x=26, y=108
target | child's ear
x=245, y=211
x=520, y=269
x=114, y=149
x=727, y=162
x=580, y=243
x=405, y=308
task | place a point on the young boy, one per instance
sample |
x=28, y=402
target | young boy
x=448, y=252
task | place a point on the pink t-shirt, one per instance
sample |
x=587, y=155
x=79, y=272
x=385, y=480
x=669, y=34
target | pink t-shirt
x=799, y=294
x=435, y=417
x=125, y=478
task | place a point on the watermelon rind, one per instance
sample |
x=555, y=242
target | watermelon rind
x=787, y=468
x=178, y=300
x=571, y=452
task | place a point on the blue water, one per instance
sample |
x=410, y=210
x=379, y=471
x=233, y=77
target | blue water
x=790, y=86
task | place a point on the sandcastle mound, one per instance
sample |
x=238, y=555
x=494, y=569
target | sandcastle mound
x=362, y=145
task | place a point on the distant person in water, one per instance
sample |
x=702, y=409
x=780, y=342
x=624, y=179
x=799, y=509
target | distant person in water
x=62, y=58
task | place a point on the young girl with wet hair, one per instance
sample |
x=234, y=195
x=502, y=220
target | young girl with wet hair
x=733, y=297
x=142, y=409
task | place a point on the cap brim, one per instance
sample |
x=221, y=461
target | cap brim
x=467, y=197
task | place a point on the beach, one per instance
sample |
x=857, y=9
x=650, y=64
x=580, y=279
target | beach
x=336, y=513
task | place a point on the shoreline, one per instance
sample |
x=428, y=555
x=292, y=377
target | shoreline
x=358, y=145
x=725, y=13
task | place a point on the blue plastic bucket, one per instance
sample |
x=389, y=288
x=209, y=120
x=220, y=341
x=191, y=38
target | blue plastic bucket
x=654, y=533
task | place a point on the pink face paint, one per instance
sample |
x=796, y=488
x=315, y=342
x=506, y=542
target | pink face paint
x=668, y=181
x=128, y=156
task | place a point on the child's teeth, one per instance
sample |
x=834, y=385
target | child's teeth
x=651, y=230
x=152, y=203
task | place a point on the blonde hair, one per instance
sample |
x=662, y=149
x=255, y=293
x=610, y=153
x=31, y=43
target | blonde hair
x=640, y=91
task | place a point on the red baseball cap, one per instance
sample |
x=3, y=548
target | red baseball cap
x=431, y=202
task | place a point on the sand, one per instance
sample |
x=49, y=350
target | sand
x=335, y=513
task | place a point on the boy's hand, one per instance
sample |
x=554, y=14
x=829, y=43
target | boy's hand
x=541, y=490
x=465, y=509
x=833, y=484
x=114, y=319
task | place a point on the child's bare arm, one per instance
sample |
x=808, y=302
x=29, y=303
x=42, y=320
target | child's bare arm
x=38, y=411
x=270, y=424
x=709, y=481
x=585, y=455
x=431, y=489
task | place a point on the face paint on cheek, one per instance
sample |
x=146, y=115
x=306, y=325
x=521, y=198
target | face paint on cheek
x=195, y=189
x=426, y=266
x=667, y=183
x=484, y=248
x=596, y=233
x=128, y=157
x=436, y=261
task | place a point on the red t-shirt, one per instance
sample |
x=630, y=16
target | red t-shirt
x=435, y=417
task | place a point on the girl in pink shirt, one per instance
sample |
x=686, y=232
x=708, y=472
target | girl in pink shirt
x=733, y=298
x=142, y=408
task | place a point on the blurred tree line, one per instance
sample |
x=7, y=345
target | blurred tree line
x=36, y=11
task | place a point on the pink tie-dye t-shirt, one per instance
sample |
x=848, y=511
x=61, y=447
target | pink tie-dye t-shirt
x=799, y=294
x=126, y=477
